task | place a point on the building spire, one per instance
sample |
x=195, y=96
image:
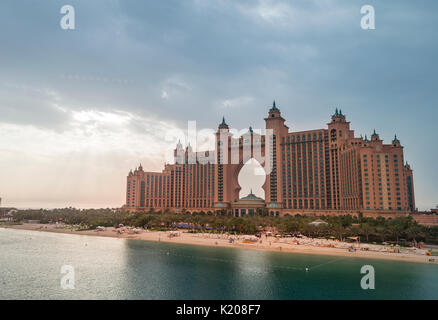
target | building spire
x=374, y=136
x=223, y=122
x=274, y=106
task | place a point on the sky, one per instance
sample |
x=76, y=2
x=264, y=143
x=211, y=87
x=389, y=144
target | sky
x=80, y=108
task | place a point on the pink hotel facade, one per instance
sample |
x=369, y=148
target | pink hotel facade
x=323, y=172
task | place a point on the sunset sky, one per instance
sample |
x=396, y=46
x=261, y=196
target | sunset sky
x=80, y=108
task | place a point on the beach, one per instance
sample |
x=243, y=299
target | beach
x=268, y=243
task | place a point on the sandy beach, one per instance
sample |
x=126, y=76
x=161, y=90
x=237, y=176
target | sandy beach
x=269, y=243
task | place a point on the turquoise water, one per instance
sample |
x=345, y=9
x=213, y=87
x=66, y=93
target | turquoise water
x=111, y=268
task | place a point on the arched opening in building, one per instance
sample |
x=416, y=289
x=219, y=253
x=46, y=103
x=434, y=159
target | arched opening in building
x=251, y=177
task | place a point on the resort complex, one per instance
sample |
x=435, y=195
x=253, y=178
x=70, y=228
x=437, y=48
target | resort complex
x=326, y=171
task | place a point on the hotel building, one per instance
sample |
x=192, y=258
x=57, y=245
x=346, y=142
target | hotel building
x=323, y=171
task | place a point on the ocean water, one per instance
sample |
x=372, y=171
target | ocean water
x=111, y=268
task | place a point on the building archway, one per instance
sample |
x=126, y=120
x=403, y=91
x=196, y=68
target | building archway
x=251, y=178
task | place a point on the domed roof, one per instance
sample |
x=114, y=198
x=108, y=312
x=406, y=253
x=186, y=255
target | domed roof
x=251, y=196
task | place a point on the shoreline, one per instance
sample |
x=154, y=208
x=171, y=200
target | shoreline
x=272, y=244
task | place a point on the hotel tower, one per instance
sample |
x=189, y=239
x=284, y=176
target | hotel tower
x=323, y=171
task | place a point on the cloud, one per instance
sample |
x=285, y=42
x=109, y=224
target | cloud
x=85, y=164
x=268, y=11
x=236, y=102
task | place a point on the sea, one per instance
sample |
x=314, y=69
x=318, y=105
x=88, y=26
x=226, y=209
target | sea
x=43, y=265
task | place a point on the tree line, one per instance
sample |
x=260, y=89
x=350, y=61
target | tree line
x=399, y=230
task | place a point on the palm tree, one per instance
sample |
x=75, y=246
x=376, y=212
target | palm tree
x=337, y=229
x=396, y=229
x=366, y=230
x=382, y=231
x=413, y=232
